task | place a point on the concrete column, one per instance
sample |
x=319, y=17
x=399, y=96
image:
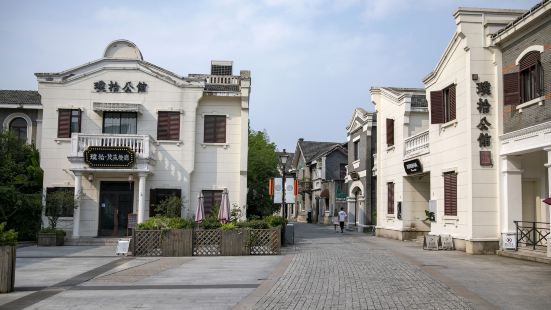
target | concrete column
x=141, y=197
x=548, y=165
x=351, y=204
x=511, y=204
x=76, y=212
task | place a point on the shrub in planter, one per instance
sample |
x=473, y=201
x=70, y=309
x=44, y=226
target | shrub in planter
x=258, y=224
x=166, y=223
x=229, y=226
x=275, y=220
x=58, y=204
x=8, y=241
x=210, y=223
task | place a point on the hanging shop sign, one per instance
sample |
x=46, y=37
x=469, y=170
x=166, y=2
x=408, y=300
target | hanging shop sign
x=109, y=157
x=413, y=166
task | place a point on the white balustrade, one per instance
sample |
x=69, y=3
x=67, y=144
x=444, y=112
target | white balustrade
x=142, y=145
x=223, y=79
x=416, y=145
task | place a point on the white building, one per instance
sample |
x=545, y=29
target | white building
x=124, y=133
x=402, y=138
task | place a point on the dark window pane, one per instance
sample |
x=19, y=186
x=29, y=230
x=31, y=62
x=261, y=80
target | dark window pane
x=19, y=128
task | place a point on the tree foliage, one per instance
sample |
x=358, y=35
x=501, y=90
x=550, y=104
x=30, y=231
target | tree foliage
x=20, y=186
x=262, y=161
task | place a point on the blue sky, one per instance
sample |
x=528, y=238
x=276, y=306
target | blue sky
x=312, y=61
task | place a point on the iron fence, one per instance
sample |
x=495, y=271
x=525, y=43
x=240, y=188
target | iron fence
x=532, y=234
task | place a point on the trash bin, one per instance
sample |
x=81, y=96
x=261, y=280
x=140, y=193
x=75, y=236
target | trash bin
x=290, y=234
x=309, y=216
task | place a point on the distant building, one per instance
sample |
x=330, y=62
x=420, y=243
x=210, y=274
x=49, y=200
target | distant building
x=361, y=180
x=21, y=113
x=320, y=169
x=124, y=134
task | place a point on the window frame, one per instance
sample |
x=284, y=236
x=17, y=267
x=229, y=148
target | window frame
x=450, y=193
x=210, y=199
x=120, y=118
x=532, y=78
x=356, y=148
x=71, y=118
x=19, y=129
x=168, y=137
x=390, y=198
x=216, y=119
x=164, y=193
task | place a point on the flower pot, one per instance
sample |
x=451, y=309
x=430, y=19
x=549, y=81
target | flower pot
x=50, y=239
x=7, y=268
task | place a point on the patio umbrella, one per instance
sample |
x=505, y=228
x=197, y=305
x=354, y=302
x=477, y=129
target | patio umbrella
x=547, y=201
x=200, y=212
x=224, y=213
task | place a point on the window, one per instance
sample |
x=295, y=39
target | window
x=211, y=200
x=531, y=77
x=390, y=194
x=356, y=150
x=442, y=105
x=450, y=193
x=18, y=126
x=215, y=129
x=168, y=126
x=158, y=195
x=389, y=132
x=326, y=202
x=68, y=122
x=342, y=171
x=60, y=200
x=120, y=122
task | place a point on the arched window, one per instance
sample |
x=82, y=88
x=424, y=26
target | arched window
x=530, y=76
x=18, y=126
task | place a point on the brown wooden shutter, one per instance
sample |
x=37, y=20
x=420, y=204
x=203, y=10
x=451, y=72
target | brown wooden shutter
x=436, y=107
x=209, y=132
x=450, y=193
x=529, y=60
x=162, y=126
x=511, y=92
x=220, y=129
x=452, y=102
x=389, y=132
x=64, y=124
x=390, y=198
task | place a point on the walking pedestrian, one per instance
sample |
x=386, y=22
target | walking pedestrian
x=336, y=220
x=342, y=217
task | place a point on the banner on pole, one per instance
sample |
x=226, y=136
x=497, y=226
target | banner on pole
x=289, y=190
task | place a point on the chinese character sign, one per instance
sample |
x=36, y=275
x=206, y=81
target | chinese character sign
x=483, y=107
x=109, y=157
x=114, y=87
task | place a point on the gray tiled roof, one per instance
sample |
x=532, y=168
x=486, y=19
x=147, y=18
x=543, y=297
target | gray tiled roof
x=536, y=7
x=311, y=149
x=221, y=87
x=19, y=97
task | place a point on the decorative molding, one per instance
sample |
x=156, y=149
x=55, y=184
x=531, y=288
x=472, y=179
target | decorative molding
x=27, y=119
x=533, y=48
x=534, y=101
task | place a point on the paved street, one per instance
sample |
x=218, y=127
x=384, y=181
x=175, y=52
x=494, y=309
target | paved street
x=324, y=270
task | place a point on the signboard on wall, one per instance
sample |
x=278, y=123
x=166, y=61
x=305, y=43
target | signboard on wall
x=289, y=190
x=109, y=157
x=413, y=166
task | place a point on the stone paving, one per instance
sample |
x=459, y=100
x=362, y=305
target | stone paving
x=335, y=271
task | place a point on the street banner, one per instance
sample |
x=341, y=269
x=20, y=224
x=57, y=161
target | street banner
x=289, y=190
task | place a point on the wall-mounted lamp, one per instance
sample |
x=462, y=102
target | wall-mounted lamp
x=90, y=177
x=130, y=178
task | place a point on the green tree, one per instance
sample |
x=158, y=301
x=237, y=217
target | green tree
x=262, y=166
x=20, y=186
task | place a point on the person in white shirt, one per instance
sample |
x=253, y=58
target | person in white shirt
x=342, y=217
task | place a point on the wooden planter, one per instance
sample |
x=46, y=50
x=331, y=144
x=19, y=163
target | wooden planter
x=233, y=242
x=177, y=242
x=7, y=268
x=50, y=239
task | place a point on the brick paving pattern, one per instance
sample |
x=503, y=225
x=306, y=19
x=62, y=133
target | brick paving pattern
x=334, y=271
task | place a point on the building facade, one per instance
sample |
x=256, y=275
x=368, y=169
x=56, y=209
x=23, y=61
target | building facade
x=360, y=180
x=402, y=141
x=21, y=114
x=123, y=134
x=524, y=93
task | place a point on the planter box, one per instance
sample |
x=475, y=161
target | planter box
x=7, y=268
x=177, y=242
x=50, y=239
x=234, y=242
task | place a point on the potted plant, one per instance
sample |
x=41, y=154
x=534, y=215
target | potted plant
x=8, y=241
x=58, y=203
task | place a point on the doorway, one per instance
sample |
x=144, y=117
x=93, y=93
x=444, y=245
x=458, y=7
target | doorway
x=116, y=202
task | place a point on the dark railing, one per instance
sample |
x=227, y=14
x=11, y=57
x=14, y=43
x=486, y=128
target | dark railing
x=532, y=234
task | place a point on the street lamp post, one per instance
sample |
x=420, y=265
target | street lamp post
x=283, y=160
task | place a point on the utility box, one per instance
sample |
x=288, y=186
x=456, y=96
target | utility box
x=290, y=234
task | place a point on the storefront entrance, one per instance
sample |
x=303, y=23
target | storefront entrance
x=116, y=202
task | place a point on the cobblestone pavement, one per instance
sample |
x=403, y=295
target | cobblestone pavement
x=341, y=271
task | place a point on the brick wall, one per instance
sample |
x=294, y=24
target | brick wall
x=535, y=114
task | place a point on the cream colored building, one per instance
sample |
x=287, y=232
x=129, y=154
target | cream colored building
x=187, y=135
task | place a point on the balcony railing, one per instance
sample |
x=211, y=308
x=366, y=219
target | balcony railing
x=532, y=234
x=142, y=145
x=304, y=185
x=416, y=145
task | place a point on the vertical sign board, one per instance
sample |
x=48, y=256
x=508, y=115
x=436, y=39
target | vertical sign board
x=289, y=190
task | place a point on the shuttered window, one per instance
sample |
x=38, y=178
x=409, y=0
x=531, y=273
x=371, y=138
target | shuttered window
x=215, y=129
x=389, y=132
x=530, y=77
x=390, y=200
x=211, y=200
x=168, y=126
x=511, y=92
x=450, y=193
x=68, y=121
x=443, y=105
x=157, y=195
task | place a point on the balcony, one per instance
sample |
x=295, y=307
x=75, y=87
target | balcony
x=416, y=145
x=220, y=85
x=304, y=185
x=142, y=145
